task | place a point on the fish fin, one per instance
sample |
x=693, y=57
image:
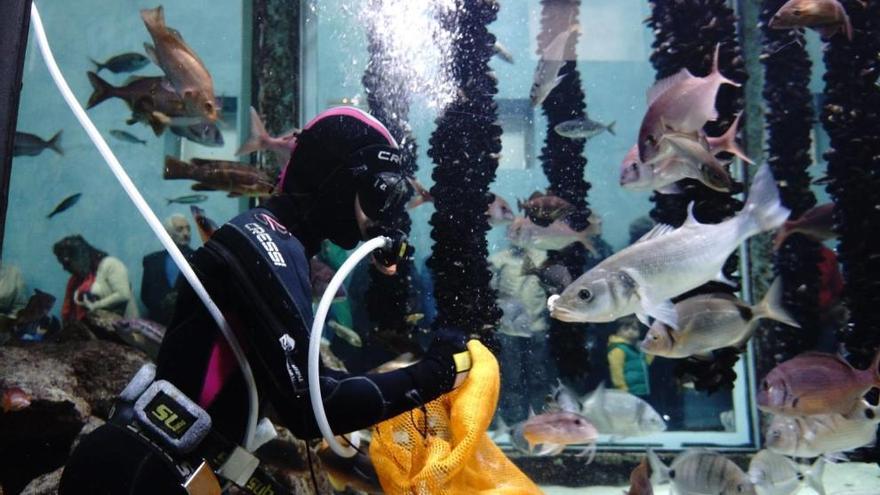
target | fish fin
x=643, y=318
x=590, y=451
x=98, y=65
x=727, y=141
x=528, y=267
x=101, y=90
x=156, y=123
x=584, y=239
x=673, y=188
x=771, y=305
x=717, y=70
x=847, y=25
x=834, y=457
x=558, y=80
x=662, y=85
x=257, y=138
x=55, y=143
x=691, y=220
x=659, y=471
x=531, y=412
x=814, y=476
x=781, y=235
x=661, y=310
x=763, y=209
x=176, y=169
x=721, y=277
x=150, y=50
x=154, y=18
x=502, y=426
x=659, y=230
x=610, y=128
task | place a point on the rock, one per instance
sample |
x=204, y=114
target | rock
x=46, y=484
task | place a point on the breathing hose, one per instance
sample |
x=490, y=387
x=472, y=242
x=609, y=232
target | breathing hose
x=315, y=340
x=153, y=222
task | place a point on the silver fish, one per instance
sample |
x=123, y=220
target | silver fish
x=621, y=414
x=680, y=148
x=546, y=73
x=124, y=62
x=636, y=175
x=526, y=234
x=667, y=262
x=682, y=102
x=700, y=471
x=203, y=133
x=583, y=128
x=127, y=137
x=775, y=474
x=562, y=398
x=345, y=333
x=712, y=321
x=502, y=52
x=822, y=434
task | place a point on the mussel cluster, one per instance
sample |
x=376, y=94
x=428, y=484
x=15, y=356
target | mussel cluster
x=789, y=118
x=464, y=148
x=851, y=116
x=686, y=33
x=563, y=162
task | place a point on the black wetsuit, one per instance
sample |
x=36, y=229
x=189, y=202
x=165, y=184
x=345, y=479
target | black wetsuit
x=257, y=271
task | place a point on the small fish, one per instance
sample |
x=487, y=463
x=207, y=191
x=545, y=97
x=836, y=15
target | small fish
x=640, y=479
x=499, y=211
x=562, y=398
x=141, y=334
x=667, y=262
x=816, y=223
x=204, y=133
x=64, y=204
x=713, y=321
x=14, y=399
x=320, y=274
x=552, y=59
x=553, y=277
x=32, y=145
x=526, y=234
x=583, y=128
x=422, y=194
x=355, y=472
x=189, y=199
x=220, y=175
x=815, y=383
x=621, y=414
x=205, y=225
x=682, y=102
x=502, y=52
x=515, y=318
x=679, y=148
x=125, y=62
x=414, y=318
x=554, y=430
x=828, y=17
x=545, y=208
x=775, y=474
x=127, y=137
x=823, y=434
x=181, y=65
x=261, y=140
x=661, y=177
x=402, y=361
x=345, y=333
x=701, y=471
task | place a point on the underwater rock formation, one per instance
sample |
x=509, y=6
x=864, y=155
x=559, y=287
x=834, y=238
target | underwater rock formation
x=388, y=297
x=563, y=162
x=464, y=147
x=851, y=116
x=686, y=33
x=789, y=119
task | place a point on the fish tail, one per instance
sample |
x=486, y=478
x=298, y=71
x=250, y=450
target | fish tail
x=98, y=65
x=763, y=210
x=102, y=90
x=814, y=476
x=176, y=169
x=728, y=141
x=154, y=19
x=659, y=471
x=258, y=136
x=54, y=144
x=528, y=268
x=847, y=25
x=584, y=239
x=610, y=128
x=771, y=306
x=716, y=69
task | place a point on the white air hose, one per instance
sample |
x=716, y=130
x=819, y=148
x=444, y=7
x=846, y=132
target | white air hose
x=152, y=221
x=315, y=340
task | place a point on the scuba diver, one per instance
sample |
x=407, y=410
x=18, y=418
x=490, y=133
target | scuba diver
x=343, y=183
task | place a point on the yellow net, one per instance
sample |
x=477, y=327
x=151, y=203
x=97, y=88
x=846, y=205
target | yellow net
x=448, y=450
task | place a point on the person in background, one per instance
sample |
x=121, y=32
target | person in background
x=97, y=281
x=627, y=364
x=158, y=290
x=13, y=297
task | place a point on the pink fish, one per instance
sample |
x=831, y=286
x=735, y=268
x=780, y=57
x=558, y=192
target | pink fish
x=554, y=430
x=828, y=17
x=816, y=383
x=261, y=140
x=816, y=223
x=682, y=102
x=14, y=399
x=422, y=194
x=499, y=211
x=640, y=479
x=547, y=207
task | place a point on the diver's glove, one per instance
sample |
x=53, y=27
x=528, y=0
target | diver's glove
x=449, y=349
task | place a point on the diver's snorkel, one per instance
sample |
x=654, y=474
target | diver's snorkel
x=152, y=221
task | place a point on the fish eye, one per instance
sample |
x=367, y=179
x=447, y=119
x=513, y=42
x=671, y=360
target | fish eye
x=869, y=413
x=578, y=422
x=585, y=294
x=797, y=12
x=633, y=166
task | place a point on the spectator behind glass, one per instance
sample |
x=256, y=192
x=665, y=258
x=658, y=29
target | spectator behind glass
x=12, y=292
x=627, y=364
x=97, y=281
x=158, y=290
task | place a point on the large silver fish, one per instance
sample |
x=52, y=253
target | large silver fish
x=700, y=471
x=546, y=73
x=621, y=414
x=667, y=262
x=775, y=474
x=712, y=321
x=822, y=434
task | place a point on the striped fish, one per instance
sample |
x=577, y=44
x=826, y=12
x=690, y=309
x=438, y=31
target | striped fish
x=699, y=472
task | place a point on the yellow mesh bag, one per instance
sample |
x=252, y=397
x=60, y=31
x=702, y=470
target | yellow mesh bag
x=449, y=451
